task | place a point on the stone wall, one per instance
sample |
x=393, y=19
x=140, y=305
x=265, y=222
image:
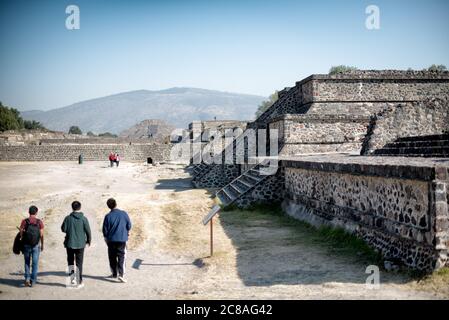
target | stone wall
x=269, y=191
x=34, y=137
x=98, y=140
x=289, y=101
x=356, y=93
x=68, y=152
x=300, y=134
x=404, y=120
x=378, y=86
x=399, y=209
x=216, y=176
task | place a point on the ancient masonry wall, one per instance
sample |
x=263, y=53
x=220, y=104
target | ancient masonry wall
x=269, y=191
x=356, y=93
x=299, y=134
x=67, y=152
x=406, y=120
x=400, y=210
x=217, y=176
x=320, y=111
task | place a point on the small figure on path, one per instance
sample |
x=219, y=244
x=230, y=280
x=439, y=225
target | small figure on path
x=117, y=159
x=112, y=159
x=77, y=235
x=31, y=232
x=116, y=227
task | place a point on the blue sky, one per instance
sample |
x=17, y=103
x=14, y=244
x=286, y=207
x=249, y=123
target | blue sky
x=241, y=46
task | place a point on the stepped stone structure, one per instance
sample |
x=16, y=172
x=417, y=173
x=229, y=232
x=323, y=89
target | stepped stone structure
x=336, y=136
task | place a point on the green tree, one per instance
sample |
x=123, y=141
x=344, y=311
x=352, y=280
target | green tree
x=33, y=125
x=107, y=135
x=341, y=69
x=10, y=118
x=265, y=105
x=437, y=68
x=90, y=134
x=75, y=130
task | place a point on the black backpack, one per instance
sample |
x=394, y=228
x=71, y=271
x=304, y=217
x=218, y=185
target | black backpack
x=32, y=233
x=17, y=247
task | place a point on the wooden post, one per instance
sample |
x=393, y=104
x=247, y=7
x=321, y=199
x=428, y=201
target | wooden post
x=211, y=237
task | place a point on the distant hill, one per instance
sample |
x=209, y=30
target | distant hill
x=158, y=130
x=177, y=106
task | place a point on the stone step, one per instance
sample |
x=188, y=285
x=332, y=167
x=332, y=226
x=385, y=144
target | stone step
x=240, y=185
x=237, y=188
x=231, y=192
x=418, y=144
x=250, y=179
x=424, y=138
x=416, y=155
x=243, y=185
x=407, y=151
x=205, y=168
x=224, y=197
x=254, y=173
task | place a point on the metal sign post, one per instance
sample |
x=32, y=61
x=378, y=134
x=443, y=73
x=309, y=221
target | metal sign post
x=209, y=219
x=211, y=237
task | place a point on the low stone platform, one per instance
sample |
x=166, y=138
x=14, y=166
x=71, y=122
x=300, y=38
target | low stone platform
x=397, y=205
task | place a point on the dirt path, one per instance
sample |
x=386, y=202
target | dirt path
x=254, y=258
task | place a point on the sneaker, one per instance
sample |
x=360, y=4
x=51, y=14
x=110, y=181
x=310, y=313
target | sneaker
x=27, y=283
x=73, y=282
x=122, y=279
x=80, y=286
x=111, y=276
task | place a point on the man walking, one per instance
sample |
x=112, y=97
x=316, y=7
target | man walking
x=77, y=235
x=116, y=227
x=31, y=232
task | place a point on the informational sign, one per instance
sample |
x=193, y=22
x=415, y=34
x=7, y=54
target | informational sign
x=211, y=214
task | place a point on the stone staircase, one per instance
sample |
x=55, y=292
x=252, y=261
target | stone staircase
x=199, y=168
x=419, y=146
x=241, y=185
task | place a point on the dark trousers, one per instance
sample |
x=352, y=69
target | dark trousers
x=76, y=255
x=117, y=252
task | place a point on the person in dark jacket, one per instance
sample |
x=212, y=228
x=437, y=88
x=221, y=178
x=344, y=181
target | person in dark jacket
x=77, y=235
x=116, y=227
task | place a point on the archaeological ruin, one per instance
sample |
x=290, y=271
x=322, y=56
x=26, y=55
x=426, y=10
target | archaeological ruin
x=58, y=146
x=366, y=151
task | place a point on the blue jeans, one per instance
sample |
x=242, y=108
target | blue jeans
x=31, y=253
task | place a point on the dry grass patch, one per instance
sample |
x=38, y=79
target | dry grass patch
x=182, y=217
x=437, y=282
x=8, y=230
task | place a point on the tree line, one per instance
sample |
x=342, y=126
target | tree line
x=10, y=119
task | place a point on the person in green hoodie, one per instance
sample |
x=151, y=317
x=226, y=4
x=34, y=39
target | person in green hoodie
x=77, y=235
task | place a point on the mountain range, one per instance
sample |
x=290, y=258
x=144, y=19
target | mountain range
x=176, y=106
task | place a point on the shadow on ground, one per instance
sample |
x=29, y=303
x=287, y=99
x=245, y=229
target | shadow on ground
x=272, y=251
x=199, y=263
x=42, y=279
x=177, y=185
